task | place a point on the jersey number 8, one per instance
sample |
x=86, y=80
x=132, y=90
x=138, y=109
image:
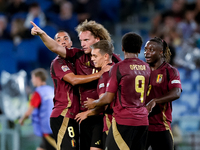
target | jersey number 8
x=71, y=132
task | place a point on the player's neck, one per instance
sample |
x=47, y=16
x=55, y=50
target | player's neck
x=106, y=62
x=156, y=65
x=130, y=55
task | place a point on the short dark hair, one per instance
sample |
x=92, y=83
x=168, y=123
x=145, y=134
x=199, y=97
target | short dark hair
x=132, y=42
x=104, y=46
x=41, y=73
x=61, y=31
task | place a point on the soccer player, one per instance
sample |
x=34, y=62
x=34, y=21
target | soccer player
x=165, y=87
x=128, y=84
x=41, y=105
x=101, y=56
x=89, y=33
x=66, y=104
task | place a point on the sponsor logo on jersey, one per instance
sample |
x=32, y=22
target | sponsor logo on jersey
x=101, y=85
x=137, y=67
x=98, y=142
x=159, y=78
x=87, y=63
x=65, y=68
x=175, y=81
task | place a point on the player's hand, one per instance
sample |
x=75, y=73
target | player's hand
x=89, y=103
x=106, y=68
x=151, y=105
x=21, y=121
x=36, y=30
x=81, y=116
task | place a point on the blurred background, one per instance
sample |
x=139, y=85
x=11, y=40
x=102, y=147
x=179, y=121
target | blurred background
x=176, y=21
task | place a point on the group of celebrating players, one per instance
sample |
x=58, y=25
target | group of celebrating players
x=103, y=102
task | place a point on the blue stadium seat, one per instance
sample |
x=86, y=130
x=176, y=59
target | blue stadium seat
x=6, y=47
x=27, y=51
x=182, y=72
x=189, y=125
x=195, y=76
x=21, y=15
x=190, y=98
x=8, y=63
x=50, y=30
x=179, y=109
x=187, y=85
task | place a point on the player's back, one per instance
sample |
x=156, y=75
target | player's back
x=134, y=78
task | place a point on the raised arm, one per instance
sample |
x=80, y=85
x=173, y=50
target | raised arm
x=50, y=43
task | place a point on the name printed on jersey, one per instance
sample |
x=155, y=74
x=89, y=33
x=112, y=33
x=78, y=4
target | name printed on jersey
x=101, y=85
x=138, y=67
x=175, y=81
x=65, y=68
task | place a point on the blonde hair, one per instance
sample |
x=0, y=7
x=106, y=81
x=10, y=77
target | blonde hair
x=96, y=29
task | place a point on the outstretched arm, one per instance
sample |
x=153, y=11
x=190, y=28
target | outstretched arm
x=81, y=79
x=50, y=43
x=172, y=95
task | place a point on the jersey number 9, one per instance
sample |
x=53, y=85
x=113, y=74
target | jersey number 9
x=140, y=89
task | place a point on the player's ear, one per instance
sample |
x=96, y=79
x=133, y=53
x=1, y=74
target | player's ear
x=123, y=49
x=139, y=51
x=106, y=56
x=71, y=43
x=97, y=39
x=161, y=52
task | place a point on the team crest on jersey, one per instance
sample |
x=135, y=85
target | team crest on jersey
x=87, y=63
x=65, y=68
x=159, y=78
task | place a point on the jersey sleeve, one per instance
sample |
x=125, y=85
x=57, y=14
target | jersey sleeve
x=61, y=68
x=174, y=81
x=112, y=84
x=35, y=100
x=102, y=83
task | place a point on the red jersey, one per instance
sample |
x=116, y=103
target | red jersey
x=162, y=80
x=84, y=66
x=101, y=88
x=66, y=95
x=129, y=80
